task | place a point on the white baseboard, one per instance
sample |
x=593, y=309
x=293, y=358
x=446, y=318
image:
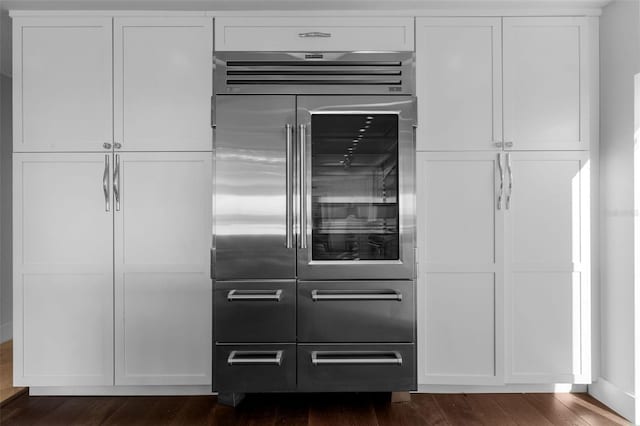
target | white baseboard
x=525, y=388
x=120, y=390
x=615, y=398
x=6, y=331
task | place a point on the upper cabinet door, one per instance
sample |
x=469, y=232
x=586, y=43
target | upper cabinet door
x=459, y=83
x=62, y=89
x=547, y=83
x=308, y=34
x=163, y=83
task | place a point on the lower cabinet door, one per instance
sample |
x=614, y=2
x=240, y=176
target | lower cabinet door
x=62, y=270
x=356, y=368
x=255, y=368
x=163, y=293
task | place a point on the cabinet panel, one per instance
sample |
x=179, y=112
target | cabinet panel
x=62, y=96
x=545, y=344
x=163, y=292
x=547, y=268
x=460, y=264
x=163, y=83
x=459, y=83
x=458, y=208
x=459, y=325
x=546, y=79
x=307, y=34
x=62, y=270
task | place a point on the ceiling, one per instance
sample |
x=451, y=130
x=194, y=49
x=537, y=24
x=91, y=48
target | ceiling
x=303, y=5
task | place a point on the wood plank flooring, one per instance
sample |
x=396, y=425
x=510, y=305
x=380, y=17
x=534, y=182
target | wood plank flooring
x=7, y=391
x=313, y=410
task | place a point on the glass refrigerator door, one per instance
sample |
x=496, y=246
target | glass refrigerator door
x=354, y=187
x=358, y=179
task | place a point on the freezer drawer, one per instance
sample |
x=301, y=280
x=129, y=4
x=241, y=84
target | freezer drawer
x=255, y=311
x=356, y=311
x=255, y=368
x=356, y=368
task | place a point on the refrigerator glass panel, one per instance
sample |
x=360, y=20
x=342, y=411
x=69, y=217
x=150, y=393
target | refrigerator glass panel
x=354, y=190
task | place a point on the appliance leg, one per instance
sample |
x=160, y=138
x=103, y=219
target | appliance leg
x=400, y=397
x=232, y=399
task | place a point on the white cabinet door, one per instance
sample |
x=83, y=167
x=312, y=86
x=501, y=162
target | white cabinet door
x=547, y=83
x=62, y=270
x=163, y=83
x=62, y=88
x=459, y=83
x=308, y=34
x=460, y=269
x=547, y=268
x=163, y=290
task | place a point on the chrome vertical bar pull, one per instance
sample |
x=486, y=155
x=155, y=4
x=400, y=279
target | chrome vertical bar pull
x=510, y=172
x=303, y=187
x=105, y=184
x=501, y=189
x=116, y=181
x=289, y=166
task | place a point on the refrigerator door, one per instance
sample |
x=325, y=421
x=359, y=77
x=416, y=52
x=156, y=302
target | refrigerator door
x=356, y=196
x=254, y=141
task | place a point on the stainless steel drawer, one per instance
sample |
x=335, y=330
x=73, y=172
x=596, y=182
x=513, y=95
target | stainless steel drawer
x=255, y=311
x=356, y=368
x=356, y=311
x=255, y=368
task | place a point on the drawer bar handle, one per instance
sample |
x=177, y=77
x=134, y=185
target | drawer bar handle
x=255, y=295
x=318, y=295
x=255, y=358
x=355, y=358
x=314, y=34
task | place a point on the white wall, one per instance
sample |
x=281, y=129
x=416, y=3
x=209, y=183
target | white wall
x=6, y=309
x=619, y=61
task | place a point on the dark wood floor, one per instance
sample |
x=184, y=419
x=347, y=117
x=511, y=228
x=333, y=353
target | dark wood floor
x=314, y=409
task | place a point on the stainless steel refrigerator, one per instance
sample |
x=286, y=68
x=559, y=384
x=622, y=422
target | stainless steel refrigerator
x=314, y=239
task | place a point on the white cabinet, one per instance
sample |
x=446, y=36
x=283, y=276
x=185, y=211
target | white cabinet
x=459, y=83
x=163, y=83
x=461, y=268
x=308, y=34
x=524, y=81
x=504, y=286
x=88, y=227
x=62, y=84
x=163, y=291
x=62, y=270
x=547, y=268
x=146, y=87
x=546, y=83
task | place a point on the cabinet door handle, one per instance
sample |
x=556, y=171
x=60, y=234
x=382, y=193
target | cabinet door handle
x=254, y=295
x=508, y=201
x=314, y=34
x=303, y=187
x=501, y=189
x=355, y=357
x=116, y=181
x=319, y=295
x=105, y=184
x=289, y=166
x=255, y=357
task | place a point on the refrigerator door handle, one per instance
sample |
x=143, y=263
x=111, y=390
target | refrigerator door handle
x=355, y=358
x=289, y=172
x=303, y=187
